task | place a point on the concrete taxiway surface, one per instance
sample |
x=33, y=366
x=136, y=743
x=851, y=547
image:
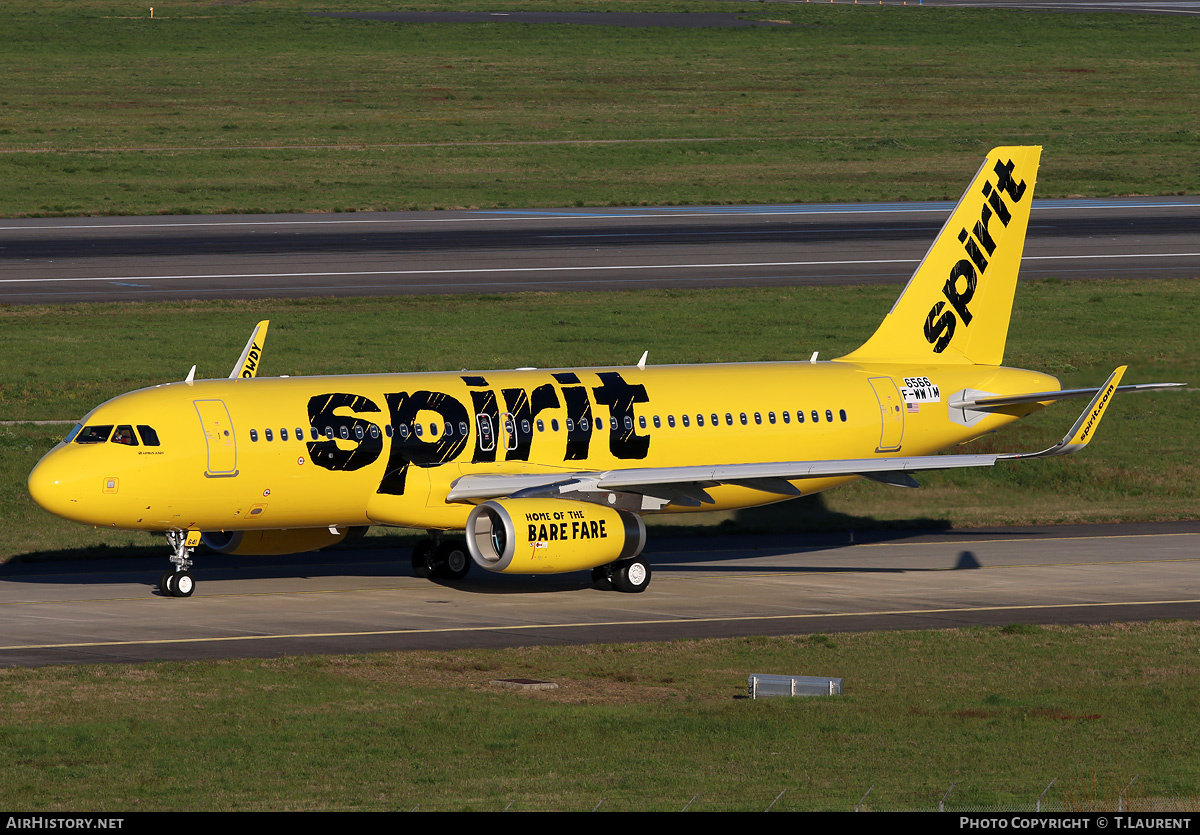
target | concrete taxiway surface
x=52, y=260
x=368, y=600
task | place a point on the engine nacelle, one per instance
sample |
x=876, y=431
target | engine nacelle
x=551, y=536
x=274, y=543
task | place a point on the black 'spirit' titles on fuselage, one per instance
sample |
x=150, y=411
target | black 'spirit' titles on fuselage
x=327, y=453
x=579, y=417
x=416, y=449
x=941, y=323
x=487, y=417
x=523, y=409
x=619, y=396
x=360, y=446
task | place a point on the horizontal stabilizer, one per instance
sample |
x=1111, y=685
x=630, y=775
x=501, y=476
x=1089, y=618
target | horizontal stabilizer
x=993, y=402
x=1084, y=428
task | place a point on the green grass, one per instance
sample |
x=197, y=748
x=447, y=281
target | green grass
x=257, y=107
x=1001, y=712
x=62, y=361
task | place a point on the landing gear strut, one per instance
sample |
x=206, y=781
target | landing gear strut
x=441, y=559
x=178, y=581
x=630, y=576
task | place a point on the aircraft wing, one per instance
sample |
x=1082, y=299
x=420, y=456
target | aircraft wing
x=687, y=486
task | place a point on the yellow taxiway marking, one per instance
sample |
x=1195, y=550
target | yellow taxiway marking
x=593, y=624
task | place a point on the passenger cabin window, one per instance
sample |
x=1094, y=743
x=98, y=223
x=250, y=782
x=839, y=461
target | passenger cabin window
x=699, y=420
x=463, y=428
x=657, y=422
x=612, y=424
x=554, y=424
x=829, y=415
x=283, y=433
x=329, y=433
x=628, y=422
x=684, y=418
x=417, y=429
x=758, y=418
x=124, y=435
x=571, y=425
x=375, y=431
x=842, y=414
x=743, y=416
x=728, y=419
x=816, y=417
x=642, y=421
x=299, y=434
x=403, y=428
x=786, y=418
x=267, y=433
x=254, y=435
x=671, y=421
x=715, y=422
x=771, y=417
x=94, y=434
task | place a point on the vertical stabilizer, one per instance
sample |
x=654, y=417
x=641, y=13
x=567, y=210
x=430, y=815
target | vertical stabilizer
x=956, y=307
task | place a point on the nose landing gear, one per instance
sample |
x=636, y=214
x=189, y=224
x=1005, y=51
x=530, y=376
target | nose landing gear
x=178, y=581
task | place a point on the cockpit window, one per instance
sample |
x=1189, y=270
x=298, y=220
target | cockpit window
x=94, y=434
x=149, y=436
x=71, y=435
x=124, y=435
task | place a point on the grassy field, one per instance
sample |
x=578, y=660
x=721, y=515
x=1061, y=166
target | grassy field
x=999, y=711
x=1142, y=466
x=236, y=107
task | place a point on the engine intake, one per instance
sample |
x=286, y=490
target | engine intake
x=551, y=536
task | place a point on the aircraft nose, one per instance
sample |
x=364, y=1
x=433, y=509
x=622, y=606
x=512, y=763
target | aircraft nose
x=54, y=487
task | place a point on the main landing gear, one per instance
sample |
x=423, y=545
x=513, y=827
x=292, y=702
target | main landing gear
x=178, y=581
x=630, y=576
x=441, y=559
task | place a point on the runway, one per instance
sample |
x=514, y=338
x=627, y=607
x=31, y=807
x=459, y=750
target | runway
x=47, y=261
x=367, y=600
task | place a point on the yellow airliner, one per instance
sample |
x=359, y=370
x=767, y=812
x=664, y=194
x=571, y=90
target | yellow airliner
x=551, y=470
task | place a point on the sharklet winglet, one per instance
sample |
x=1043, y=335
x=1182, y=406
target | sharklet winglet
x=247, y=364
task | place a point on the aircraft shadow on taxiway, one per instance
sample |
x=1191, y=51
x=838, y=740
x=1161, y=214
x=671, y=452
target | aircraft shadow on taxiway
x=797, y=527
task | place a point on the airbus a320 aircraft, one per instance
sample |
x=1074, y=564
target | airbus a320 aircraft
x=551, y=470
